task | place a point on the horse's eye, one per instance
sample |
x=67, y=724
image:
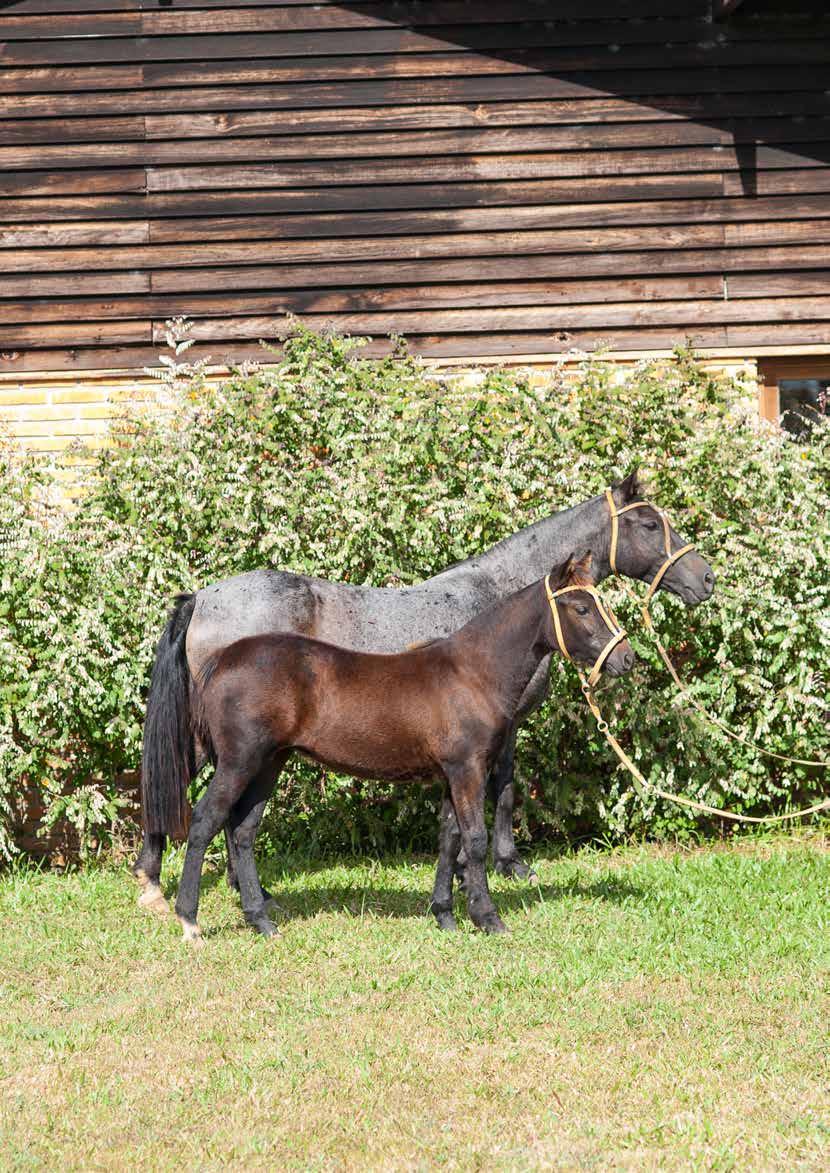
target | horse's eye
x=582, y=609
x=650, y=525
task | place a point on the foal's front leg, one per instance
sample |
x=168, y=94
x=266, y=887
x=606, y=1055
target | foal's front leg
x=449, y=844
x=467, y=789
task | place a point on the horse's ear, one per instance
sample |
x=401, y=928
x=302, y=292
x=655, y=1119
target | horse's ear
x=630, y=488
x=574, y=572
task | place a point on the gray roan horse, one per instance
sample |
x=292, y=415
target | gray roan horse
x=376, y=619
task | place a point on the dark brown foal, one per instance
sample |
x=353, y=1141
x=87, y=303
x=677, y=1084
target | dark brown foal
x=438, y=711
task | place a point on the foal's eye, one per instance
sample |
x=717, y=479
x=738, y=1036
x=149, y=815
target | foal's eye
x=652, y=525
x=582, y=609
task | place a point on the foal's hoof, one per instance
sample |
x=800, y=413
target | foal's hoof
x=191, y=932
x=492, y=923
x=446, y=921
x=515, y=869
x=152, y=900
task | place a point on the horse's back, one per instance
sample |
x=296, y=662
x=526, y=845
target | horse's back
x=363, y=618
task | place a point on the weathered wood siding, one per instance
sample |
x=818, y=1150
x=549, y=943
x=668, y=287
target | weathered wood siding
x=485, y=178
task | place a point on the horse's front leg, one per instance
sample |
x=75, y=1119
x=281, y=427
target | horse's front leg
x=467, y=789
x=501, y=784
x=501, y=788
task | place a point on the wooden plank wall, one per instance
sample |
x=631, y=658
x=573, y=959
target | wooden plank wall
x=485, y=178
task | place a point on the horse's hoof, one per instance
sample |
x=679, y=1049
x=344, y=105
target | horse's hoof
x=493, y=924
x=152, y=900
x=263, y=926
x=515, y=869
x=191, y=932
x=446, y=922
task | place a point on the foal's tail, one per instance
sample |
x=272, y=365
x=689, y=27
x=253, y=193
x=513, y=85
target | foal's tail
x=168, y=760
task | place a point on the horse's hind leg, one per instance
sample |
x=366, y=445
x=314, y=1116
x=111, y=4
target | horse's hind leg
x=467, y=789
x=147, y=870
x=245, y=819
x=449, y=844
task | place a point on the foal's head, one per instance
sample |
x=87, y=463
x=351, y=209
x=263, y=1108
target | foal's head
x=581, y=627
x=645, y=541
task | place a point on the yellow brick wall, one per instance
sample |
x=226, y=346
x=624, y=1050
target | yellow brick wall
x=48, y=412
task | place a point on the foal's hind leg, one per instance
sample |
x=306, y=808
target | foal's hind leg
x=245, y=819
x=467, y=789
x=232, y=873
x=449, y=844
x=211, y=811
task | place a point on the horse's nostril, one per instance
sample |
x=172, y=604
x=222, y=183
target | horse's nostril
x=628, y=661
x=709, y=579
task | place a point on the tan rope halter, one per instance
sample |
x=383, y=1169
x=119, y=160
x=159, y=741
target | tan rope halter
x=616, y=512
x=616, y=633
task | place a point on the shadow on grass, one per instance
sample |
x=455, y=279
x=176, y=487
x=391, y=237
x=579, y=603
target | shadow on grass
x=371, y=896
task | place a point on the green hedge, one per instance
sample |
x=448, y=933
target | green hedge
x=376, y=471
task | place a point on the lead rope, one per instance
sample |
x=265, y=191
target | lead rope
x=664, y=655
x=641, y=783
x=815, y=763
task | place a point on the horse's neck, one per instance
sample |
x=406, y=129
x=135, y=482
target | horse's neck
x=529, y=554
x=506, y=644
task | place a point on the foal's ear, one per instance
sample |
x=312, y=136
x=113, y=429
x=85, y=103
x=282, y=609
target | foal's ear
x=575, y=572
x=630, y=488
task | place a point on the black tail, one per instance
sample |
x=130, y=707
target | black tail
x=168, y=759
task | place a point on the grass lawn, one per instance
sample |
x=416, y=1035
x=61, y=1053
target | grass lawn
x=651, y=1009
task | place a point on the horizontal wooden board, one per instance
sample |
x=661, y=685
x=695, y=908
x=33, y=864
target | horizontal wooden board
x=47, y=334
x=387, y=197
x=779, y=284
x=405, y=297
x=464, y=17
x=810, y=138
x=770, y=211
x=47, y=183
x=498, y=320
x=487, y=268
x=67, y=286
x=460, y=168
x=469, y=99
x=450, y=244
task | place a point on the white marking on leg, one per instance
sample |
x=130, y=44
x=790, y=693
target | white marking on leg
x=190, y=931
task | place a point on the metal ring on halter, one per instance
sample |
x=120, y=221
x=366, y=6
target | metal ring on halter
x=617, y=634
x=615, y=531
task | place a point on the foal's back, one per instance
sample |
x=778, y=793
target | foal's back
x=388, y=716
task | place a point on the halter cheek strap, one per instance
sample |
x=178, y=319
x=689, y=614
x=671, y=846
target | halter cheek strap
x=615, y=533
x=616, y=633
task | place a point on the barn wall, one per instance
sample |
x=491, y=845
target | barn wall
x=474, y=175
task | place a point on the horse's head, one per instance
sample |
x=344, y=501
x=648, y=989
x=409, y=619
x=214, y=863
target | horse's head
x=645, y=546
x=582, y=627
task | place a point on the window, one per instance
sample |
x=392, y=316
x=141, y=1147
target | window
x=801, y=402
x=794, y=392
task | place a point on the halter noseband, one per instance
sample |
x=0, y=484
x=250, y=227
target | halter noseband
x=616, y=632
x=615, y=532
